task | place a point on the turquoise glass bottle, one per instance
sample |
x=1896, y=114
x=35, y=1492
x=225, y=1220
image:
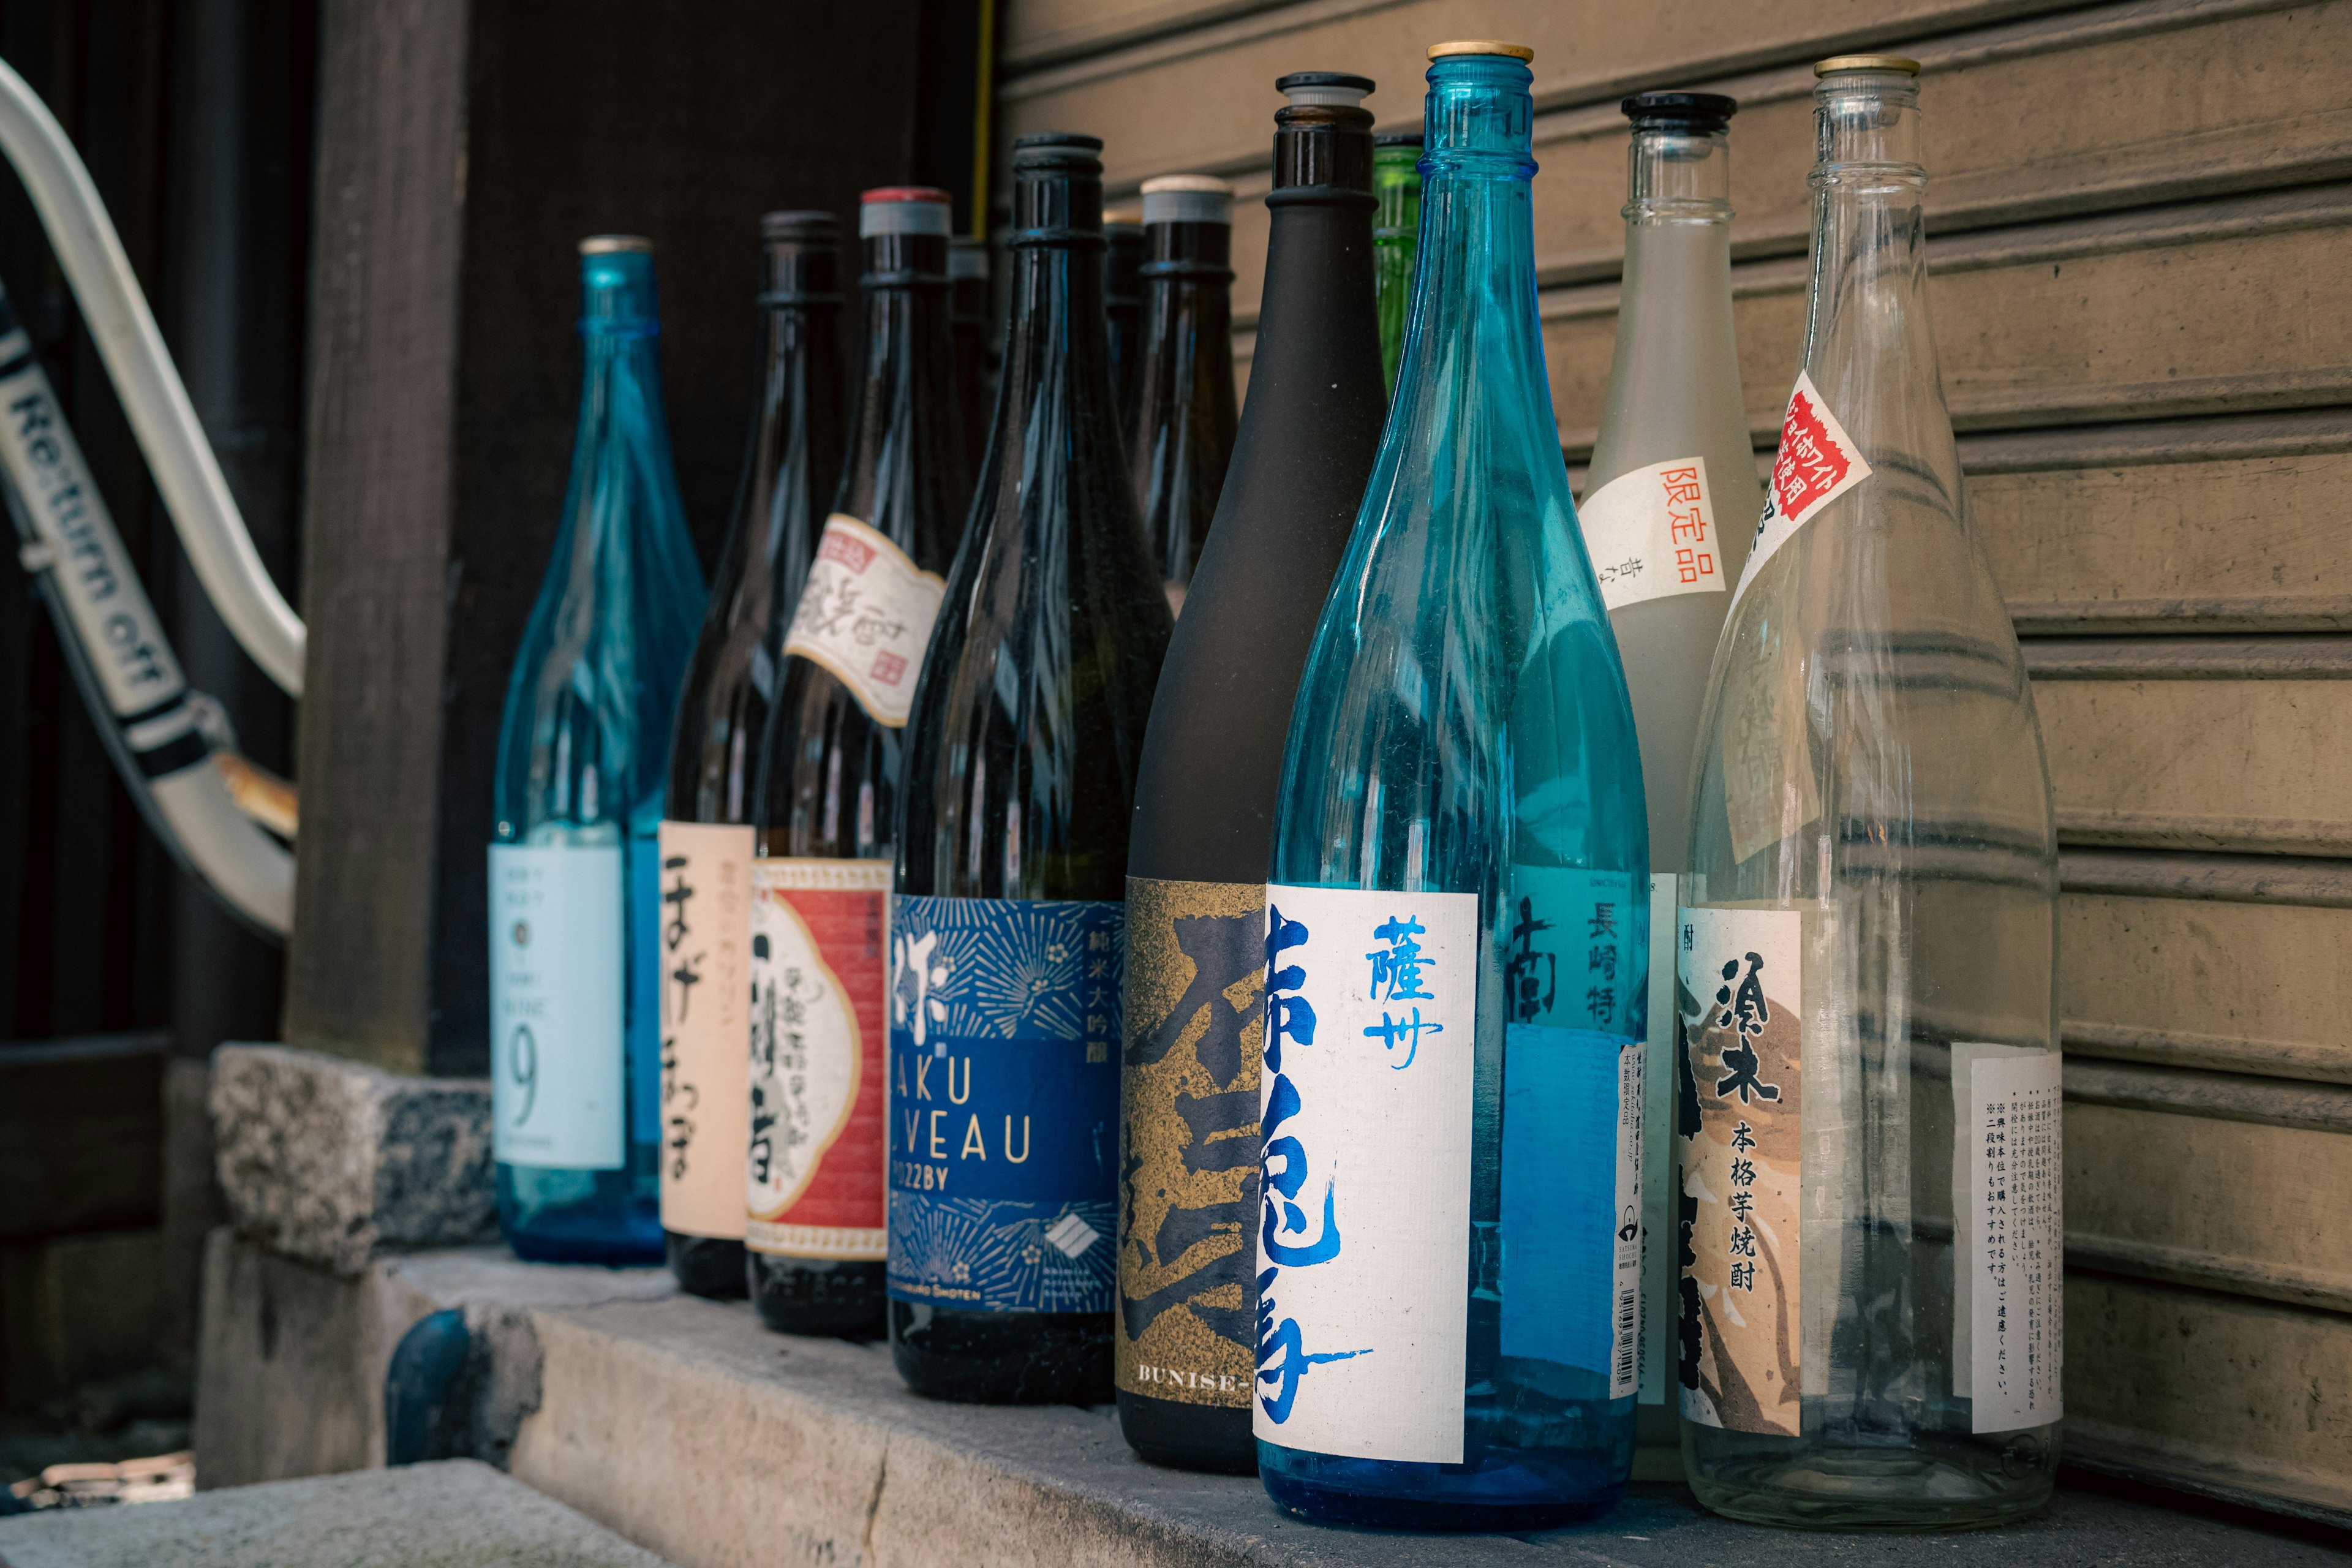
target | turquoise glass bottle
x=1449, y=1241
x=575, y=910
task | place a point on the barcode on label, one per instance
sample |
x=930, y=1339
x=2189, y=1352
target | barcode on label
x=1621, y=1380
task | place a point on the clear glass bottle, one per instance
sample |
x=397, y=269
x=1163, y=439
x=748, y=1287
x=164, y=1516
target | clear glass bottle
x=574, y=905
x=1665, y=515
x=1183, y=434
x=706, y=834
x=1865, y=1128
x=1396, y=181
x=1204, y=835
x=1456, y=925
x=828, y=793
x=1006, y=908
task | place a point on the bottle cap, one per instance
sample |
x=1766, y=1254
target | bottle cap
x=811, y=228
x=1068, y=150
x=1866, y=63
x=1123, y=217
x=1398, y=139
x=615, y=244
x=1700, y=111
x=905, y=209
x=1519, y=52
x=966, y=257
x=1338, y=89
x=1188, y=198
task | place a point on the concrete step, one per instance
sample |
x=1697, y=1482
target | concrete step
x=688, y=1428
x=457, y=1513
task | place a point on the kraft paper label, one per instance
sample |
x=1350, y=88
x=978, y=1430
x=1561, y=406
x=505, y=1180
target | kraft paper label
x=1187, y=1192
x=705, y=939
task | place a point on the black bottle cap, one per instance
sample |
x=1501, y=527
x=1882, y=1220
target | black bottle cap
x=1322, y=78
x=1705, y=113
x=1398, y=139
x=810, y=227
x=1058, y=150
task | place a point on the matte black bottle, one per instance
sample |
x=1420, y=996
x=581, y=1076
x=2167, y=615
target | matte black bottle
x=828, y=791
x=1123, y=306
x=1198, y=861
x=789, y=473
x=1182, y=433
x=968, y=310
x=1006, y=923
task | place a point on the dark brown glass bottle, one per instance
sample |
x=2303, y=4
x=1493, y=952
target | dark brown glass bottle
x=1123, y=306
x=1006, y=914
x=1199, y=857
x=1183, y=431
x=968, y=309
x=828, y=793
x=789, y=469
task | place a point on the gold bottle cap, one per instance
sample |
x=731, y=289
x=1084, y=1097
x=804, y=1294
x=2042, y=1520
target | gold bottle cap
x=609, y=244
x=1208, y=182
x=1866, y=63
x=1124, y=215
x=1481, y=47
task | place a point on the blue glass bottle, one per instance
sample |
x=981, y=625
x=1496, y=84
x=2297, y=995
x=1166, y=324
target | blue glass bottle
x=1449, y=1244
x=574, y=890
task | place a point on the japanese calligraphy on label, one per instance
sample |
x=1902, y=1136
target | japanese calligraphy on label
x=1195, y=1016
x=1651, y=533
x=1363, y=1228
x=1004, y=1082
x=1817, y=463
x=865, y=614
x=557, y=1097
x=1574, y=950
x=705, y=939
x=817, y=1099
x=2008, y=1115
x=1738, y=1114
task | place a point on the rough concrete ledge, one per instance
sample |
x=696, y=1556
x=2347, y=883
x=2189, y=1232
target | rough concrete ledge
x=457, y=1514
x=331, y=1161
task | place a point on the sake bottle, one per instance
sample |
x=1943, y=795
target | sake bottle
x=714, y=757
x=1665, y=516
x=828, y=794
x=1456, y=923
x=575, y=921
x=1005, y=918
x=1183, y=434
x=968, y=306
x=1203, y=834
x=1123, y=306
x=1866, y=1119
x=1396, y=181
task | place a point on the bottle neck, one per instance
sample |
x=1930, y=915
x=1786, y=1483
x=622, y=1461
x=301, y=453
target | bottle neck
x=1677, y=174
x=621, y=416
x=1868, y=311
x=1397, y=185
x=903, y=440
x=1057, y=346
x=1187, y=281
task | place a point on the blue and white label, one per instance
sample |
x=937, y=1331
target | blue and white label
x=1364, y=1226
x=557, y=1097
x=1004, y=1014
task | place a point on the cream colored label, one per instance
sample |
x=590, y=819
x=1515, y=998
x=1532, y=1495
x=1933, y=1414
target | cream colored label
x=706, y=917
x=1651, y=533
x=867, y=615
x=2008, y=1191
x=1739, y=1156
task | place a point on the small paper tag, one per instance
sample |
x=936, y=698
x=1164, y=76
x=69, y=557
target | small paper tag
x=1651, y=533
x=1817, y=463
x=867, y=615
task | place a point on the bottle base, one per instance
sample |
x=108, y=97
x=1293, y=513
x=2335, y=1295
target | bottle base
x=1002, y=1358
x=817, y=1297
x=707, y=1265
x=1212, y=1439
x=1328, y=1504
x=1892, y=1491
x=611, y=1251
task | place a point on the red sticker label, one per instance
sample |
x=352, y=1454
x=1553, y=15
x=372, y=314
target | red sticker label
x=1817, y=463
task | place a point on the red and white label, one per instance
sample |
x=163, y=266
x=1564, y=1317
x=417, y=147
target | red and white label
x=867, y=615
x=1651, y=533
x=818, y=1041
x=1817, y=463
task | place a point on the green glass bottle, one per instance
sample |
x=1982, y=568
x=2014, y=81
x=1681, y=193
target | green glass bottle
x=1396, y=231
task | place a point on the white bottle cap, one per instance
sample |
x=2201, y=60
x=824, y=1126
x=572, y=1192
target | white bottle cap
x=1188, y=198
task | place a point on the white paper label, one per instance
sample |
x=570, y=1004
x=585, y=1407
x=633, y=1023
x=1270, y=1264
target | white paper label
x=1817, y=463
x=557, y=1097
x=1365, y=1107
x=1651, y=533
x=706, y=933
x=2013, y=1202
x=867, y=615
x=1658, y=1271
